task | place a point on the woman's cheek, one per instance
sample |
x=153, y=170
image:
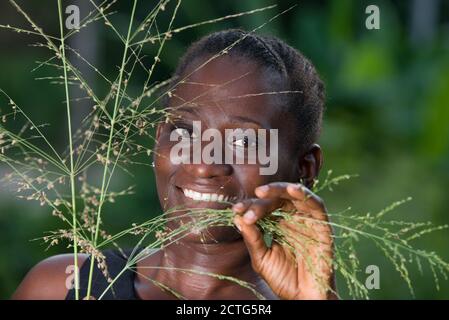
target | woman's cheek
x=249, y=177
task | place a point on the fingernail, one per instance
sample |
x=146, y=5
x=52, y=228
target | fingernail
x=238, y=206
x=262, y=189
x=250, y=216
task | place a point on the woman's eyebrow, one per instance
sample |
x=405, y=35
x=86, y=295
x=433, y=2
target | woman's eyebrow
x=187, y=108
x=243, y=119
x=193, y=109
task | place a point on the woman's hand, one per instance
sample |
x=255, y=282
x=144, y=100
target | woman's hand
x=290, y=275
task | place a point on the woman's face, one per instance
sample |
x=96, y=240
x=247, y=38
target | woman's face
x=212, y=95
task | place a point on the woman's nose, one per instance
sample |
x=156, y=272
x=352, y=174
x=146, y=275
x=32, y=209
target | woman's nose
x=208, y=170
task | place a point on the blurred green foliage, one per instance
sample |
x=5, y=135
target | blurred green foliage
x=387, y=116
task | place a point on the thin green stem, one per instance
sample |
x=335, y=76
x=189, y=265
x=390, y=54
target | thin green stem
x=108, y=153
x=72, y=171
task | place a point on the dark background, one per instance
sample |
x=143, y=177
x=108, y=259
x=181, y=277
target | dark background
x=386, y=120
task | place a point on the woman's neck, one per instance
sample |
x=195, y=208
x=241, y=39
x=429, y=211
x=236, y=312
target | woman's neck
x=224, y=258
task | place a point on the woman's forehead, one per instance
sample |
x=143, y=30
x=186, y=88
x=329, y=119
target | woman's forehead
x=231, y=72
x=223, y=74
x=223, y=81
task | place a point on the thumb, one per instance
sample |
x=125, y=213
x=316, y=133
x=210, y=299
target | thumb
x=253, y=239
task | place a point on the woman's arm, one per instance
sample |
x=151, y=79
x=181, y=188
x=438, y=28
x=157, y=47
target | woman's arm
x=49, y=279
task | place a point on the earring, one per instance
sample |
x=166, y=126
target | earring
x=152, y=164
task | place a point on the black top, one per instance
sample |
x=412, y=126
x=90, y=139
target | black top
x=123, y=287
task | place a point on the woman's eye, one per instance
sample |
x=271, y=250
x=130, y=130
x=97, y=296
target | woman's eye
x=244, y=142
x=182, y=132
x=186, y=133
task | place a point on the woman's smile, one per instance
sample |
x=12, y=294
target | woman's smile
x=207, y=197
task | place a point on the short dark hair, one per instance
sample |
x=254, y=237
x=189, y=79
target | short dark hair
x=272, y=52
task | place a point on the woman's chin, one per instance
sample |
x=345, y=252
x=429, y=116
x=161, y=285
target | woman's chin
x=219, y=234
x=189, y=204
x=212, y=235
x=192, y=212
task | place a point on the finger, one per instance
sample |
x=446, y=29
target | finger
x=273, y=190
x=253, y=238
x=255, y=209
x=242, y=206
x=313, y=203
x=260, y=208
x=291, y=191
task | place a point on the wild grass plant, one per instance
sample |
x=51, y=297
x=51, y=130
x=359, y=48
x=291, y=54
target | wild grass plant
x=110, y=140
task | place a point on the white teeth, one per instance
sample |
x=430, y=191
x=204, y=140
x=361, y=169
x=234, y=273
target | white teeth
x=209, y=197
x=205, y=196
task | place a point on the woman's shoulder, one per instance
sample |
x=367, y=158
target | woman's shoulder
x=112, y=276
x=50, y=279
x=53, y=278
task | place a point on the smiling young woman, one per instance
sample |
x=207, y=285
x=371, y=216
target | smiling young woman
x=260, y=83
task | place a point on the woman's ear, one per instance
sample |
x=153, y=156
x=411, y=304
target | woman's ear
x=158, y=131
x=158, y=134
x=310, y=165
